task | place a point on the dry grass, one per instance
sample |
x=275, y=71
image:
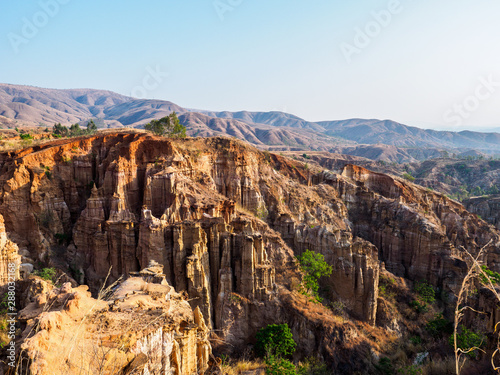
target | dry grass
x=16, y=144
x=439, y=367
x=105, y=359
x=241, y=366
x=242, y=209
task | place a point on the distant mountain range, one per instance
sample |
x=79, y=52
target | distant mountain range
x=389, y=140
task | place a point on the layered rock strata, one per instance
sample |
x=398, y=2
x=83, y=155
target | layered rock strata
x=226, y=221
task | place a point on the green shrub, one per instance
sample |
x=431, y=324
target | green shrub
x=75, y=271
x=262, y=212
x=279, y=366
x=75, y=130
x=91, y=127
x=416, y=340
x=234, y=298
x=312, y=366
x=467, y=339
x=47, y=274
x=314, y=266
x=275, y=340
x=382, y=290
x=439, y=326
x=26, y=142
x=386, y=280
x=408, y=177
x=48, y=173
x=425, y=291
x=384, y=285
x=60, y=130
x=338, y=308
x=26, y=136
x=169, y=126
x=493, y=276
x=419, y=307
x=384, y=366
x=4, y=305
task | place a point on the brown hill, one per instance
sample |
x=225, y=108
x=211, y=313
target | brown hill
x=34, y=106
x=263, y=136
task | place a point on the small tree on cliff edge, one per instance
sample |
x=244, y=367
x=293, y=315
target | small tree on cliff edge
x=314, y=266
x=169, y=126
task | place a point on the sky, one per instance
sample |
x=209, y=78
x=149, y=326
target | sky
x=432, y=64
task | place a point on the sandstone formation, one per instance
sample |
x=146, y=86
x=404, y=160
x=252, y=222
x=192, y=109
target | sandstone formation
x=145, y=327
x=226, y=221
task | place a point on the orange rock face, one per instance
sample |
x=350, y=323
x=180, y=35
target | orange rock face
x=226, y=221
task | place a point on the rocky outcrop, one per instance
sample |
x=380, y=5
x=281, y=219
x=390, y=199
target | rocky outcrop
x=145, y=327
x=355, y=262
x=419, y=233
x=488, y=208
x=226, y=221
x=10, y=260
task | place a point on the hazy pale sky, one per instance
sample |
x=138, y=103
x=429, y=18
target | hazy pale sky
x=433, y=64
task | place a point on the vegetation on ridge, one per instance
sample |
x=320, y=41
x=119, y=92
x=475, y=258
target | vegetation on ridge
x=167, y=126
x=74, y=130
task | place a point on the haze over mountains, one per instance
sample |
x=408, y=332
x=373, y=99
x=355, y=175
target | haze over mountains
x=386, y=139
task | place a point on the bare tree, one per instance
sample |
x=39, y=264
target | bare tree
x=475, y=275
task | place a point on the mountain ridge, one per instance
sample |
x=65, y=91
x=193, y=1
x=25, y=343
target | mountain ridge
x=36, y=106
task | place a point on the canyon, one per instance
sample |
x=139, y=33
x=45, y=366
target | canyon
x=223, y=223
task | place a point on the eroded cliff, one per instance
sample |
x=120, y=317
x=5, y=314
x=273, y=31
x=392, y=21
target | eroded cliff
x=143, y=327
x=226, y=221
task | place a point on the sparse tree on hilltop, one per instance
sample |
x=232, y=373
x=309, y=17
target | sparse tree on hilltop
x=91, y=127
x=169, y=126
x=60, y=130
x=75, y=130
x=178, y=130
